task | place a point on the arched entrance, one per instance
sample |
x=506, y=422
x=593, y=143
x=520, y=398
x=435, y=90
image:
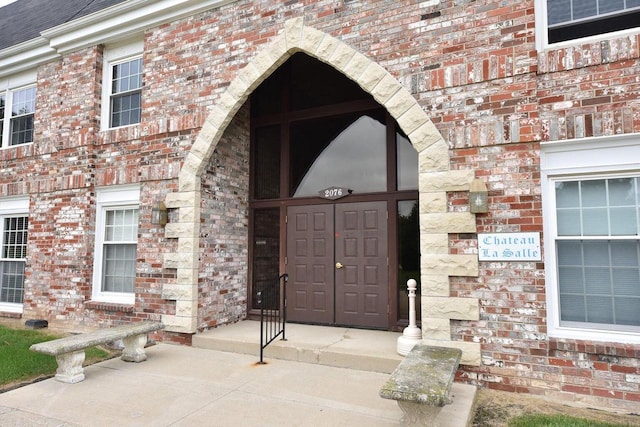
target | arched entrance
x=333, y=182
x=435, y=178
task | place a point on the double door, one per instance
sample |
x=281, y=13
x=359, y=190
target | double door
x=337, y=261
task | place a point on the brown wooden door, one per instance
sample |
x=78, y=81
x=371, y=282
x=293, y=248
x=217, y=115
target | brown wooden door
x=362, y=284
x=310, y=290
x=337, y=264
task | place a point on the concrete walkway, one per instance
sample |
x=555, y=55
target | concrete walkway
x=187, y=386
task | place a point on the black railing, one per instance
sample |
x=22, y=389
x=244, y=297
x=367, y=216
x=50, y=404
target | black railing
x=273, y=313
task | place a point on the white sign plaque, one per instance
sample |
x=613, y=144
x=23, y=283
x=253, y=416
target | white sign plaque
x=509, y=247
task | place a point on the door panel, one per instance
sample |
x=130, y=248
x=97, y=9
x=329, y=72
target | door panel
x=310, y=289
x=361, y=246
x=337, y=264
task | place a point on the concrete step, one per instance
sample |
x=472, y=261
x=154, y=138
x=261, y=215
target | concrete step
x=341, y=347
x=359, y=349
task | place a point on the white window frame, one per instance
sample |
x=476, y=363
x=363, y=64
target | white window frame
x=600, y=157
x=11, y=207
x=113, y=55
x=8, y=86
x=109, y=198
x=542, y=39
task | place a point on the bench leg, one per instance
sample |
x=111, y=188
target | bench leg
x=70, y=367
x=418, y=414
x=134, y=348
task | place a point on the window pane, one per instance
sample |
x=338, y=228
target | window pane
x=600, y=310
x=119, y=268
x=593, y=193
x=567, y=194
x=126, y=109
x=608, y=6
x=408, y=255
x=623, y=221
x=266, y=249
x=21, y=130
x=627, y=312
x=602, y=275
x=584, y=8
x=126, y=100
x=14, y=243
x=24, y=102
x=346, y=151
x=407, y=164
x=267, y=163
x=1, y=115
x=558, y=11
x=622, y=192
x=569, y=222
x=121, y=225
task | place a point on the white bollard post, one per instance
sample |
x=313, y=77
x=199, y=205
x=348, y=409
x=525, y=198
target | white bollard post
x=411, y=334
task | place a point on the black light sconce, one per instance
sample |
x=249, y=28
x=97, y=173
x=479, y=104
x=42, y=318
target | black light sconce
x=478, y=196
x=159, y=214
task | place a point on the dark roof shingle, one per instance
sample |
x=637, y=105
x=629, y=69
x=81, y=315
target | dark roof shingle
x=23, y=20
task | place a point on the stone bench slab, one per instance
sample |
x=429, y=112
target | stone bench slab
x=69, y=351
x=424, y=376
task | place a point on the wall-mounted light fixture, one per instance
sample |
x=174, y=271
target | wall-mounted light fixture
x=159, y=214
x=478, y=196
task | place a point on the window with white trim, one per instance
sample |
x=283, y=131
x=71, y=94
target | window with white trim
x=565, y=20
x=122, y=91
x=17, y=110
x=14, y=224
x=116, y=244
x=591, y=199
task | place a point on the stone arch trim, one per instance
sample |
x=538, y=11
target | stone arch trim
x=435, y=179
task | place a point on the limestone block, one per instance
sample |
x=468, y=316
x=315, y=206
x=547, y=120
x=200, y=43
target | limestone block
x=186, y=276
x=188, y=244
x=434, y=243
x=434, y=285
x=203, y=148
x=412, y=117
x=229, y=104
x=435, y=157
x=436, y=329
x=192, y=166
x=239, y=88
x=217, y=117
x=470, y=350
x=450, y=308
x=187, y=308
x=371, y=76
x=425, y=136
x=278, y=51
x=326, y=48
x=293, y=30
x=188, y=180
x=251, y=76
x=356, y=66
x=433, y=202
x=450, y=264
x=385, y=89
x=263, y=63
x=455, y=180
x=179, y=324
x=450, y=222
x=180, y=259
x=341, y=56
x=208, y=133
x=311, y=39
x=180, y=291
x=182, y=199
x=189, y=214
x=174, y=230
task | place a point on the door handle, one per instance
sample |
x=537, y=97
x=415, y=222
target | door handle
x=339, y=265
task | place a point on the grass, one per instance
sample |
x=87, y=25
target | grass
x=20, y=364
x=543, y=420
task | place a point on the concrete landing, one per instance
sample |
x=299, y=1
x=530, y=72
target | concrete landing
x=357, y=349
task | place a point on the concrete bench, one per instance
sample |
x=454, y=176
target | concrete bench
x=422, y=382
x=69, y=351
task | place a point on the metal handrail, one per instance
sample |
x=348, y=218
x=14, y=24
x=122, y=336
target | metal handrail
x=273, y=314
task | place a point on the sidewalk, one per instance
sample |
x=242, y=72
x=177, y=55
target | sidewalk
x=186, y=386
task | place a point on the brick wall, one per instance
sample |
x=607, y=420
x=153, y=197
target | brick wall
x=472, y=66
